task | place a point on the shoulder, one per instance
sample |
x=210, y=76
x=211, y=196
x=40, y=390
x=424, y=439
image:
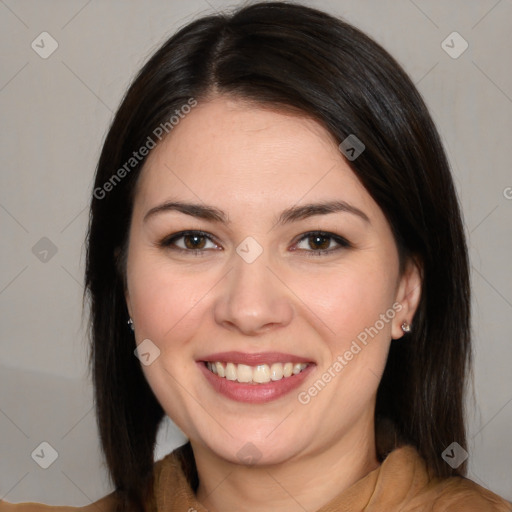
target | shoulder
x=105, y=504
x=459, y=494
x=405, y=482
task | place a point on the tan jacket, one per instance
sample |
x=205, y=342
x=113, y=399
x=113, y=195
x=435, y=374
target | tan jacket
x=399, y=484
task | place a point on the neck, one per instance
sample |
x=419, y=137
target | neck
x=302, y=483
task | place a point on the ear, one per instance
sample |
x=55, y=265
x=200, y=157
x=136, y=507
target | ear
x=408, y=296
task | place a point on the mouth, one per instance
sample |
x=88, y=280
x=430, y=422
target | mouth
x=254, y=378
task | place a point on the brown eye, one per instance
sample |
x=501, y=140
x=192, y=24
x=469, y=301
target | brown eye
x=318, y=243
x=189, y=241
x=194, y=241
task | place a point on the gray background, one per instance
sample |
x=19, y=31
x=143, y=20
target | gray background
x=55, y=113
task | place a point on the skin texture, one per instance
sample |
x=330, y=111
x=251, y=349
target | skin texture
x=253, y=163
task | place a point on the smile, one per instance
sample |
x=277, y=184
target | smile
x=259, y=374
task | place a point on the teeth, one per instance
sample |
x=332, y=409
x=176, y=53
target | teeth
x=297, y=368
x=244, y=373
x=288, y=369
x=230, y=371
x=218, y=369
x=260, y=374
x=276, y=371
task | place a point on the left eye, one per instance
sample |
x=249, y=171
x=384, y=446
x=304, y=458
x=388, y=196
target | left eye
x=321, y=242
x=190, y=241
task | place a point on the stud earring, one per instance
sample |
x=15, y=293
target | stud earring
x=130, y=323
x=406, y=327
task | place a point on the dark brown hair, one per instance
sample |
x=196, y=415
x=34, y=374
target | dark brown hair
x=290, y=56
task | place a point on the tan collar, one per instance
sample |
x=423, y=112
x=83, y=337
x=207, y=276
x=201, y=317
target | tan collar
x=173, y=491
x=401, y=482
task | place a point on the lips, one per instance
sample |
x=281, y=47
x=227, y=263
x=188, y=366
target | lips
x=254, y=378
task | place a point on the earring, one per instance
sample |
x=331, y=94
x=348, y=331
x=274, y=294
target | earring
x=130, y=323
x=406, y=327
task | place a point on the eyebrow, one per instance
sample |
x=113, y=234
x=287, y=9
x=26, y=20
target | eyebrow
x=195, y=210
x=292, y=214
x=308, y=210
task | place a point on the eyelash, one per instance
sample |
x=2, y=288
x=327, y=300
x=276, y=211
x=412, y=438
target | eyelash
x=168, y=242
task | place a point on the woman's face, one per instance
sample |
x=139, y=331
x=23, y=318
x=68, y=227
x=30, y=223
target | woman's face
x=288, y=267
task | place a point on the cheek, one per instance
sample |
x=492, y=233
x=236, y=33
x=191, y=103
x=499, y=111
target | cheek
x=168, y=307
x=351, y=297
x=164, y=299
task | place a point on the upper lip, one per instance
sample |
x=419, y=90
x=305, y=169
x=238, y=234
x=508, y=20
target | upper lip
x=254, y=359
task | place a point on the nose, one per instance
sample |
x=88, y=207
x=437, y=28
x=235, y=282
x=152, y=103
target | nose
x=252, y=300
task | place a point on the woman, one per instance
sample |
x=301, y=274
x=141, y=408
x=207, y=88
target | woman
x=269, y=211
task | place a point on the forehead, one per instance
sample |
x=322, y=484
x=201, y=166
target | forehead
x=231, y=151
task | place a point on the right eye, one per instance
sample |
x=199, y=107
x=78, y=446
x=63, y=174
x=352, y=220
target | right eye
x=194, y=242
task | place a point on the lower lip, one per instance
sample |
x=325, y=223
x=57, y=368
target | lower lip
x=255, y=393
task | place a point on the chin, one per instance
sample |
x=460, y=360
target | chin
x=255, y=450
